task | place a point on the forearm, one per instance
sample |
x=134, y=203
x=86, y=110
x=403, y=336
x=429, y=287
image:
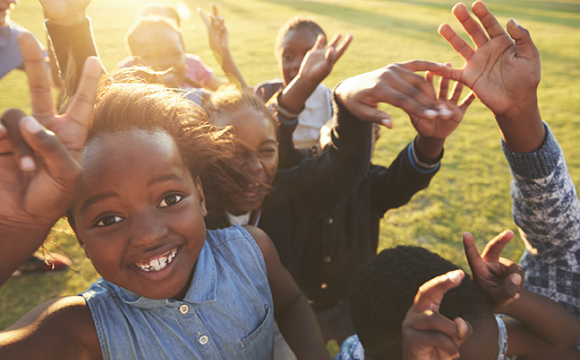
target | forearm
x=545, y=204
x=17, y=244
x=296, y=93
x=231, y=70
x=300, y=329
x=544, y=318
x=522, y=128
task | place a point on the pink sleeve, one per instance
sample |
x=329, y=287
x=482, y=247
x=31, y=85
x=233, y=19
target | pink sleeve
x=125, y=63
x=197, y=70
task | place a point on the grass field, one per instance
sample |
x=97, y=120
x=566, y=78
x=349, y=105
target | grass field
x=471, y=192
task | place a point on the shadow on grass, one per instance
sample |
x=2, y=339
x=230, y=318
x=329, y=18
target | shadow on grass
x=520, y=9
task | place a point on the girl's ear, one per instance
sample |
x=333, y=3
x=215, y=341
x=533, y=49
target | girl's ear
x=71, y=222
x=200, y=195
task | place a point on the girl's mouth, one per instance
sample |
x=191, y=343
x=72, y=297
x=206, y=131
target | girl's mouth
x=157, y=263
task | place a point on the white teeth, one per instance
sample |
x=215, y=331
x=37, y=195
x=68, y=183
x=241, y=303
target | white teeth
x=159, y=263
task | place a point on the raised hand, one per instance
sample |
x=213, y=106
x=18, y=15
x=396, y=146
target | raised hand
x=216, y=30
x=65, y=12
x=439, y=127
x=40, y=158
x=319, y=61
x=395, y=84
x=428, y=335
x=500, y=278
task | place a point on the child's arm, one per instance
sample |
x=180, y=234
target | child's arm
x=59, y=329
x=291, y=309
x=219, y=43
x=36, y=190
x=503, y=72
x=539, y=323
x=428, y=335
x=316, y=66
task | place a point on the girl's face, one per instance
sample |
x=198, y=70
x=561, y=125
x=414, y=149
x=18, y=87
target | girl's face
x=138, y=213
x=161, y=50
x=257, y=148
x=296, y=44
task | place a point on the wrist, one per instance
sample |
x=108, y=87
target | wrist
x=295, y=94
x=522, y=128
x=429, y=147
x=67, y=20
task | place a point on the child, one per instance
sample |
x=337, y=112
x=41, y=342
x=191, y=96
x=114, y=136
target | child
x=197, y=73
x=386, y=285
x=300, y=93
x=169, y=288
x=545, y=202
x=323, y=228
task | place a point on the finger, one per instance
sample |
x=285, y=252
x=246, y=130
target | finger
x=81, y=107
x=456, y=42
x=41, y=97
x=464, y=331
x=56, y=158
x=343, y=46
x=471, y=26
x=492, y=26
x=319, y=43
x=512, y=283
x=214, y=10
x=335, y=39
x=466, y=102
x=429, y=78
x=433, y=290
x=330, y=56
x=473, y=257
x=369, y=113
x=412, y=93
x=443, y=88
x=204, y=17
x=423, y=65
x=456, y=92
x=23, y=154
x=493, y=249
x=524, y=44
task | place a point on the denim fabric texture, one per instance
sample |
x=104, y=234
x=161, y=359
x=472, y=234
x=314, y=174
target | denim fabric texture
x=227, y=313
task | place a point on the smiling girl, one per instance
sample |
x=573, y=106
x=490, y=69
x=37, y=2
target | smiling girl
x=169, y=288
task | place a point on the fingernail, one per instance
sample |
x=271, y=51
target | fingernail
x=461, y=327
x=515, y=21
x=430, y=113
x=386, y=122
x=27, y=164
x=2, y=128
x=31, y=124
x=445, y=112
x=516, y=296
x=454, y=276
x=516, y=278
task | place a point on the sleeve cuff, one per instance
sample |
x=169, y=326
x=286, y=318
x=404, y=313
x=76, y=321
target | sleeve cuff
x=422, y=164
x=538, y=163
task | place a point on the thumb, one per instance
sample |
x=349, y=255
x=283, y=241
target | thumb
x=524, y=44
x=369, y=113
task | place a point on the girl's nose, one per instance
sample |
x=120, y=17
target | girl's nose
x=148, y=228
x=254, y=165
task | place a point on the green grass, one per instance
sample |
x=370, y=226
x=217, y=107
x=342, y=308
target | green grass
x=470, y=193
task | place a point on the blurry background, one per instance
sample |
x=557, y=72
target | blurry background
x=471, y=191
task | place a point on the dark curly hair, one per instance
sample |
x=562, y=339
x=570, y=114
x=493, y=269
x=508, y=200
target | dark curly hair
x=385, y=287
x=297, y=23
x=125, y=103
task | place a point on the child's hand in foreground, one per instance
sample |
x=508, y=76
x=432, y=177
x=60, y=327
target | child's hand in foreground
x=40, y=158
x=216, y=30
x=428, y=335
x=319, y=61
x=500, y=278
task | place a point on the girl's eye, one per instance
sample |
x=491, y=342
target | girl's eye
x=108, y=221
x=171, y=200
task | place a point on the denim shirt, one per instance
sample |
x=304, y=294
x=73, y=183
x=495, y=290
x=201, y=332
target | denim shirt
x=227, y=312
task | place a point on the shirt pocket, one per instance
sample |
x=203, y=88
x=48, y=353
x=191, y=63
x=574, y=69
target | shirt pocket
x=259, y=344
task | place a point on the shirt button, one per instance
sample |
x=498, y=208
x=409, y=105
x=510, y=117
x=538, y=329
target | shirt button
x=203, y=339
x=327, y=259
x=329, y=221
x=183, y=309
x=324, y=286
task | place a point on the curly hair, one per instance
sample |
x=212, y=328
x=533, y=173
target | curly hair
x=149, y=23
x=124, y=103
x=297, y=23
x=385, y=287
x=229, y=99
